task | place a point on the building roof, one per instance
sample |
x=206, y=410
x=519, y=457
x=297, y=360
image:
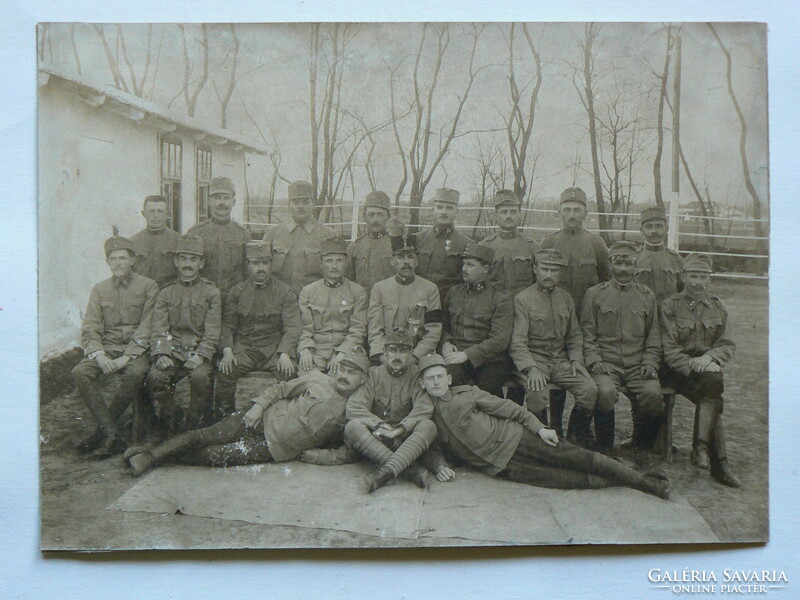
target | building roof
x=143, y=111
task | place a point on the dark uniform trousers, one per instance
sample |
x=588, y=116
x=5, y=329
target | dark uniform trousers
x=247, y=361
x=703, y=389
x=161, y=388
x=490, y=376
x=648, y=397
x=560, y=373
x=94, y=386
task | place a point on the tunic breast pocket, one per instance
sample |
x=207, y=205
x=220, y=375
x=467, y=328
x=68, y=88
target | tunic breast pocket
x=109, y=314
x=587, y=270
x=199, y=310
x=133, y=313
x=453, y=262
x=424, y=261
x=712, y=326
x=685, y=327
x=279, y=258
x=313, y=265
x=235, y=252
x=537, y=325
x=523, y=269
x=608, y=321
x=174, y=311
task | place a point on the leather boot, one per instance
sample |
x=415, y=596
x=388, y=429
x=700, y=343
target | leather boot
x=706, y=416
x=557, y=400
x=644, y=439
x=110, y=440
x=143, y=462
x=91, y=442
x=719, y=457
x=579, y=428
x=419, y=476
x=604, y=427
x=621, y=475
x=377, y=479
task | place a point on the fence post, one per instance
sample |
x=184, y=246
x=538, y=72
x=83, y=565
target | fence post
x=354, y=226
x=673, y=235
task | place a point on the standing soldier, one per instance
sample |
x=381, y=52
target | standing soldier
x=546, y=341
x=155, y=244
x=385, y=422
x=184, y=335
x=333, y=311
x=698, y=343
x=622, y=348
x=440, y=247
x=369, y=257
x=476, y=326
x=296, y=244
x=260, y=328
x=512, y=269
x=115, y=336
x=657, y=266
x=405, y=300
x=223, y=238
x=587, y=258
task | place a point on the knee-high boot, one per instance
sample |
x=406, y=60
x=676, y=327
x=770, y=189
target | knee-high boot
x=604, y=429
x=558, y=399
x=705, y=417
x=579, y=429
x=620, y=474
x=719, y=457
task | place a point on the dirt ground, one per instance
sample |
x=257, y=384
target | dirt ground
x=75, y=491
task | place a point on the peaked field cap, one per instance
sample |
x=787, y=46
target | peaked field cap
x=431, y=360
x=357, y=358
x=573, y=194
x=622, y=248
x=377, y=199
x=446, y=195
x=399, y=336
x=221, y=185
x=333, y=246
x=551, y=257
x=190, y=244
x=653, y=212
x=506, y=198
x=117, y=242
x=404, y=243
x=299, y=190
x=484, y=254
x=697, y=262
x=258, y=250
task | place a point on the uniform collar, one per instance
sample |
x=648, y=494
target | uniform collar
x=156, y=231
x=443, y=230
x=260, y=286
x=477, y=287
x=309, y=225
x=376, y=236
x=545, y=290
x=654, y=247
x=220, y=223
x=569, y=231
x=399, y=373
x=402, y=281
x=622, y=286
x=508, y=234
x=190, y=283
x=333, y=284
x=691, y=301
x=448, y=395
x=122, y=281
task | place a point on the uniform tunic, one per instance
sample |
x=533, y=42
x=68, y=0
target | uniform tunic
x=117, y=319
x=334, y=318
x=369, y=260
x=512, y=269
x=386, y=398
x=659, y=268
x=588, y=260
x=223, y=247
x=155, y=254
x=390, y=304
x=440, y=250
x=295, y=251
x=187, y=320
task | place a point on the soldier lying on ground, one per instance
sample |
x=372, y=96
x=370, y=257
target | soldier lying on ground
x=502, y=439
x=298, y=419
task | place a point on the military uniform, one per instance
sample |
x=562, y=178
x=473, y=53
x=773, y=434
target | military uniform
x=295, y=247
x=546, y=335
x=155, y=254
x=116, y=323
x=500, y=438
x=657, y=266
x=514, y=253
x=694, y=327
x=369, y=256
x=389, y=398
x=259, y=323
x=440, y=249
x=477, y=318
x=621, y=329
x=186, y=322
x=301, y=415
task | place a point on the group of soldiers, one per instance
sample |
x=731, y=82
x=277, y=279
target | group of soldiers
x=414, y=351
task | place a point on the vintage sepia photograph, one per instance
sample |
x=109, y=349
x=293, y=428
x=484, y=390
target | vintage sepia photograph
x=336, y=285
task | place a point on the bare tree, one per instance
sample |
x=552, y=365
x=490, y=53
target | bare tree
x=111, y=58
x=190, y=95
x=490, y=174
x=74, y=45
x=662, y=98
x=225, y=99
x=421, y=160
x=748, y=182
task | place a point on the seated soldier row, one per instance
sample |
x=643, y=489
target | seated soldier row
x=260, y=328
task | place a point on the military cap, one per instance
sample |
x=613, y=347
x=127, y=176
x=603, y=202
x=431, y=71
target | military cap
x=484, y=254
x=221, y=185
x=573, y=194
x=333, y=246
x=377, y=199
x=622, y=248
x=258, y=250
x=446, y=195
x=357, y=358
x=431, y=360
x=653, y=212
x=399, y=336
x=550, y=257
x=117, y=242
x=299, y=190
x=404, y=243
x=505, y=198
x=697, y=262
x=190, y=244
